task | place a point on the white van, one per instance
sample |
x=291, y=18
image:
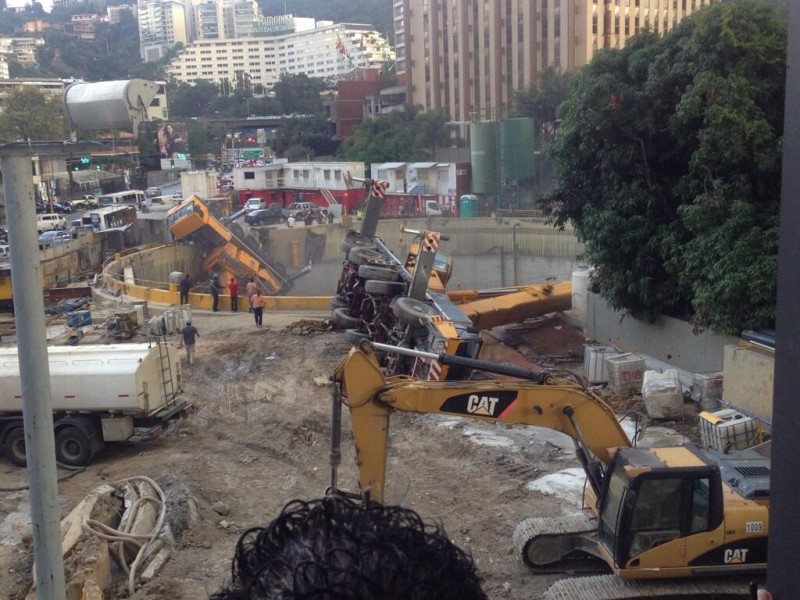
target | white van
x=50, y=221
x=5, y=252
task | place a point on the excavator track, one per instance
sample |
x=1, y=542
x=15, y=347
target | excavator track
x=544, y=543
x=611, y=587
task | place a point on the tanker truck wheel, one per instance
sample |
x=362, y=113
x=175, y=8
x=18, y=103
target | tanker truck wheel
x=73, y=447
x=14, y=446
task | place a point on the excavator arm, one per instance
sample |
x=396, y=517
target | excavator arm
x=545, y=402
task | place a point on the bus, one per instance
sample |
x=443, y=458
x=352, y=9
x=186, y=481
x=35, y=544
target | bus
x=129, y=197
x=112, y=218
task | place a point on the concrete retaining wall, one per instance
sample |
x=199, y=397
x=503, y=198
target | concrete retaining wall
x=151, y=268
x=748, y=371
x=667, y=339
x=60, y=267
x=749, y=378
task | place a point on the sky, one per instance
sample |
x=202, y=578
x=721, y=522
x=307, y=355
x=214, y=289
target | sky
x=46, y=4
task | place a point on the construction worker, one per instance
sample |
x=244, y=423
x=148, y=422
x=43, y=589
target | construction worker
x=188, y=334
x=214, y=289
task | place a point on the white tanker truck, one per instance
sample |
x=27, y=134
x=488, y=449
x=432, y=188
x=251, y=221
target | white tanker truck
x=112, y=393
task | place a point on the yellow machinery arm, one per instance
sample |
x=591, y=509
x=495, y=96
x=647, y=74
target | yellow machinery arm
x=544, y=402
x=529, y=301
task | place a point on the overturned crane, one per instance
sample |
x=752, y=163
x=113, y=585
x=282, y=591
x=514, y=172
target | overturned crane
x=225, y=253
x=406, y=303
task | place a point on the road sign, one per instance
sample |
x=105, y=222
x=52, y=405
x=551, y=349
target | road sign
x=252, y=154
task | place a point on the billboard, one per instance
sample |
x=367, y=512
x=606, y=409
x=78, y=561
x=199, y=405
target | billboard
x=172, y=139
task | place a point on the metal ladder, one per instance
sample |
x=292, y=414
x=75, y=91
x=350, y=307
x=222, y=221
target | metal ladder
x=166, y=369
x=331, y=199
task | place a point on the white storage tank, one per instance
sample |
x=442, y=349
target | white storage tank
x=580, y=288
x=595, y=368
x=119, y=378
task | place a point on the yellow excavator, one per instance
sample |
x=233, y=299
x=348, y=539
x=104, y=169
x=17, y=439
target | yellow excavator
x=662, y=514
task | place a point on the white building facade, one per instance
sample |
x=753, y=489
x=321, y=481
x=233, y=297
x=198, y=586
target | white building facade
x=161, y=26
x=330, y=51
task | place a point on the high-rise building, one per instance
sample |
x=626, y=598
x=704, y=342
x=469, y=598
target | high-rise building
x=468, y=57
x=329, y=51
x=224, y=19
x=162, y=24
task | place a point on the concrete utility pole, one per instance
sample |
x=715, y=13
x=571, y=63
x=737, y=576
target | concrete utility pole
x=34, y=369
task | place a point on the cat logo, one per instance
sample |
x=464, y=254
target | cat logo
x=481, y=405
x=735, y=556
x=478, y=405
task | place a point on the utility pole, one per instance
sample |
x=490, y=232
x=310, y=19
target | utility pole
x=34, y=369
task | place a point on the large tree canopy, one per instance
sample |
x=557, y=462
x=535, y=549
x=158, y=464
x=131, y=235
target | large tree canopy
x=669, y=160
x=540, y=100
x=405, y=135
x=28, y=114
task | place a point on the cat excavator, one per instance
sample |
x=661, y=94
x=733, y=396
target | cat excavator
x=671, y=522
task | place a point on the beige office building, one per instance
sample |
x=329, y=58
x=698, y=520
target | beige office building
x=468, y=57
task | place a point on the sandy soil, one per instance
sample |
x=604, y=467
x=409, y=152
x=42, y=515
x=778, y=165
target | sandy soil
x=260, y=437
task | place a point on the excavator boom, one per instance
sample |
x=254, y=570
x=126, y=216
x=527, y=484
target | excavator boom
x=655, y=513
x=551, y=403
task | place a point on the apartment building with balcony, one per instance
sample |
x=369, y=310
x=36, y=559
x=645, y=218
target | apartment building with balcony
x=468, y=57
x=162, y=25
x=226, y=19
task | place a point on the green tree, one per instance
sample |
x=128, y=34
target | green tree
x=187, y=100
x=432, y=131
x=299, y=94
x=11, y=22
x=669, y=156
x=406, y=135
x=28, y=114
x=540, y=101
x=303, y=138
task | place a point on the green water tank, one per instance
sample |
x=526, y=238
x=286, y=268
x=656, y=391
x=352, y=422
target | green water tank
x=516, y=148
x=483, y=156
x=468, y=206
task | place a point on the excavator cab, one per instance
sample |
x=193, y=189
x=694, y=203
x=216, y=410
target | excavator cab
x=653, y=515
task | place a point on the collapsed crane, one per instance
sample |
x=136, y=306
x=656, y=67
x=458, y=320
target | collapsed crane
x=406, y=303
x=226, y=253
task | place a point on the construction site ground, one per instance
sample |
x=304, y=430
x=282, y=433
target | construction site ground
x=259, y=437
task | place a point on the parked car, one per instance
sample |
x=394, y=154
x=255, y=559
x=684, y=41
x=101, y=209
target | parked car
x=61, y=208
x=50, y=222
x=85, y=201
x=298, y=209
x=255, y=204
x=308, y=212
x=51, y=239
x=267, y=216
